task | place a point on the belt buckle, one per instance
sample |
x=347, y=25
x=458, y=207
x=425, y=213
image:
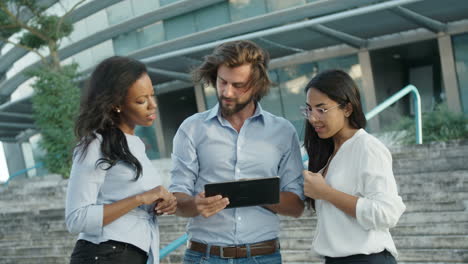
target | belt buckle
x=221, y=253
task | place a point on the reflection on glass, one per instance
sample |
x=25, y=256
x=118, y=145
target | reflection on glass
x=210, y=96
x=148, y=136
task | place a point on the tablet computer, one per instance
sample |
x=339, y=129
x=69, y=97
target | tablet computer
x=248, y=192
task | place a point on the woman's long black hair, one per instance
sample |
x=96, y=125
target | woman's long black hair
x=341, y=88
x=106, y=90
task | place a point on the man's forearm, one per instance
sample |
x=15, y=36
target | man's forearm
x=185, y=205
x=290, y=205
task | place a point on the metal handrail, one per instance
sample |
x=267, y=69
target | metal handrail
x=23, y=171
x=397, y=96
x=173, y=246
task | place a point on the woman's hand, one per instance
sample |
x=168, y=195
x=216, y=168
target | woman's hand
x=166, y=203
x=315, y=186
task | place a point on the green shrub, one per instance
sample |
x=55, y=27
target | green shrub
x=55, y=105
x=438, y=125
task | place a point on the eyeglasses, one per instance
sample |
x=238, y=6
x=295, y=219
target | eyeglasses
x=307, y=111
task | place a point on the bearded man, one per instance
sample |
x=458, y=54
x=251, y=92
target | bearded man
x=234, y=140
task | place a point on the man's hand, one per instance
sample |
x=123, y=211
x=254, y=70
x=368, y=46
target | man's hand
x=315, y=186
x=211, y=205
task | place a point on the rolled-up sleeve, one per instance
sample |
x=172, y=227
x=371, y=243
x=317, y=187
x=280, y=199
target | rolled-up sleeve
x=290, y=168
x=184, y=164
x=82, y=213
x=380, y=206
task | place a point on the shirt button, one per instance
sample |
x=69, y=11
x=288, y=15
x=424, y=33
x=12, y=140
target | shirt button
x=114, y=247
x=238, y=170
x=239, y=148
x=239, y=218
x=96, y=258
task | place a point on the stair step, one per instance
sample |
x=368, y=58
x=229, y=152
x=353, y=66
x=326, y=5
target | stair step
x=423, y=165
x=405, y=255
x=431, y=229
x=43, y=259
x=406, y=242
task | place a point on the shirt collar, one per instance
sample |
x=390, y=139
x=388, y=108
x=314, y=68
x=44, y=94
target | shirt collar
x=216, y=112
x=213, y=112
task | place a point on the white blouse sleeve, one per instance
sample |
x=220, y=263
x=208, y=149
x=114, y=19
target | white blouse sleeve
x=380, y=206
x=82, y=213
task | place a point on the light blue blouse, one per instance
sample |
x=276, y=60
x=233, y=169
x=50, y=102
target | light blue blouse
x=208, y=149
x=91, y=187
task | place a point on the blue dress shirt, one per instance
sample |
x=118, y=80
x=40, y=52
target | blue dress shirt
x=208, y=149
x=91, y=187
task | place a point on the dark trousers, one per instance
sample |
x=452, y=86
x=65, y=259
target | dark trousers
x=383, y=257
x=109, y=252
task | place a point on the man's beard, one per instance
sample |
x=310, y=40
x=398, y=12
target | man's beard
x=237, y=107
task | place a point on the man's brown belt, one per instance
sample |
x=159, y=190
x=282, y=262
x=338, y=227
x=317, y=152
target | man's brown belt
x=257, y=249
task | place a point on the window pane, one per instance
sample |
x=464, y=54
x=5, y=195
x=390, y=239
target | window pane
x=167, y=2
x=126, y=43
x=150, y=35
x=210, y=96
x=141, y=7
x=241, y=9
x=119, y=12
x=148, y=136
x=272, y=102
x=275, y=5
x=212, y=16
x=179, y=26
x=292, y=81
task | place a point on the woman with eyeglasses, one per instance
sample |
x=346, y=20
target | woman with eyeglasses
x=349, y=182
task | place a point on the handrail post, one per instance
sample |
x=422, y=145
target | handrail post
x=417, y=113
x=416, y=104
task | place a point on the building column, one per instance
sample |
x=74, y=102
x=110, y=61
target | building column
x=14, y=158
x=28, y=158
x=158, y=130
x=449, y=73
x=200, y=98
x=368, y=87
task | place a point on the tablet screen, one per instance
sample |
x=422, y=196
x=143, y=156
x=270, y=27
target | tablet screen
x=250, y=192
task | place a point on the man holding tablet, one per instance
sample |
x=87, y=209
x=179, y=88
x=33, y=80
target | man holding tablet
x=235, y=140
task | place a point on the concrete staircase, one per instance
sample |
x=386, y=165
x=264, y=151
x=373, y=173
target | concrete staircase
x=432, y=178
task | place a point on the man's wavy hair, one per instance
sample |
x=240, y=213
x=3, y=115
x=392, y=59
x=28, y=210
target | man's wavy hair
x=233, y=54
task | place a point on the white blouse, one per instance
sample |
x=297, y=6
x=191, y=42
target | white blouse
x=362, y=167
